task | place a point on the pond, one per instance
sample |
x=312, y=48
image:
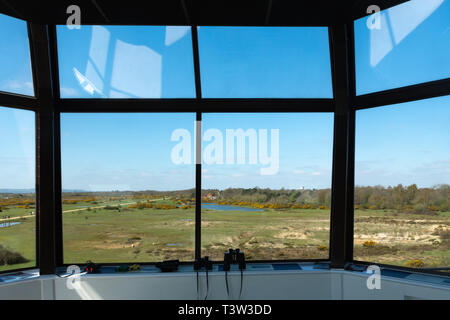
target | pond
x=174, y=244
x=8, y=224
x=222, y=207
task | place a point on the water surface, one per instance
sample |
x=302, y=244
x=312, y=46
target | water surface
x=222, y=207
x=8, y=224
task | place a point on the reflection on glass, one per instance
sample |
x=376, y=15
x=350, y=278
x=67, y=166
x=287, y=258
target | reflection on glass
x=126, y=197
x=265, y=62
x=266, y=185
x=15, y=61
x=404, y=45
x=126, y=62
x=402, y=177
x=17, y=189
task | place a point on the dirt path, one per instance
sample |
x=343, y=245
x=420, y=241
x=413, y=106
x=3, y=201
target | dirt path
x=74, y=210
x=101, y=207
x=16, y=218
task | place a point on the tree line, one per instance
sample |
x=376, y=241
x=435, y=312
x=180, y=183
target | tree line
x=374, y=197
x=406, y=198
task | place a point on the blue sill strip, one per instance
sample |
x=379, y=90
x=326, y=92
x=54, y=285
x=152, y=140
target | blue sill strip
x=275, y=266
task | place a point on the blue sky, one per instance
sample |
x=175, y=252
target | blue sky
x=15, y=63
x=411, y=46
x=305, y=151
x=407, y=143
x=126, y=62
x=17, y=151
x=261, y=62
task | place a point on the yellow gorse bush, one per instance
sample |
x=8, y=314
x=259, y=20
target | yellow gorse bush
x=369, y=244
x=415, y=263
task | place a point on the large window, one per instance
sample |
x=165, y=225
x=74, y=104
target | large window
x=404, y=45
x=402, y=194
x=266, y=182
x=128, y=187
x=15, y=62
x=265, y=62
x=17, y=189
x=129, y=179
x=126, y=62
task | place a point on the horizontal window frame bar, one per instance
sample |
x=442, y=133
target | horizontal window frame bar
x=109, y=264
x=18, y=101
x=260, y=13
x=425, y=90
x=18, y=270
x=195, y=105
x=360, y=9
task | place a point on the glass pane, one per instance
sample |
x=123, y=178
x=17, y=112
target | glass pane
x=15, y=61
x=404, y=45
x=402, y=194
x=265, y=62
x=17, y=189
x=126, y=198
x=266, y=185
x=126, y=62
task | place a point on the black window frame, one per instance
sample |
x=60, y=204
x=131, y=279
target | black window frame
x=48, y=107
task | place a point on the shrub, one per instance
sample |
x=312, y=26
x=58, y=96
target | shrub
x=445, y=235
x=8, y=257
x=111, y=208
x=322, y=248
x=69, y=201
x=415, y=263
x=369, y=244
x=419, y=208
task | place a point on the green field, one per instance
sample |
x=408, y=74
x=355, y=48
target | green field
x=110, y=231
x=268, y=235
x=405, y=239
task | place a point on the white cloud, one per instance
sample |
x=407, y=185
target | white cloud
x=68, y=92
x=24, y=87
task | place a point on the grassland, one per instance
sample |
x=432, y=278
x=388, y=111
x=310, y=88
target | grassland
x=406, y=239
x=113, y=230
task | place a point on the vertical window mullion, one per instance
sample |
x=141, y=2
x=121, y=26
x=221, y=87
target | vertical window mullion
x=198, y=146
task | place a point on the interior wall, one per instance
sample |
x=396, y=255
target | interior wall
x=317, y=285
x=391, y=289
x=23, y=290
x=184, y=286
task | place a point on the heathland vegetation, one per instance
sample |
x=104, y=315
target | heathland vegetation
x=404, y=198
x=401, y=225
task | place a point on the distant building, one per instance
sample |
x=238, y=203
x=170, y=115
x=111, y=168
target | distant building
x=210, y=196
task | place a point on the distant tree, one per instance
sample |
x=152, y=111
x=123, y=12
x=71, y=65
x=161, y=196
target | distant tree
x=322, y=197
